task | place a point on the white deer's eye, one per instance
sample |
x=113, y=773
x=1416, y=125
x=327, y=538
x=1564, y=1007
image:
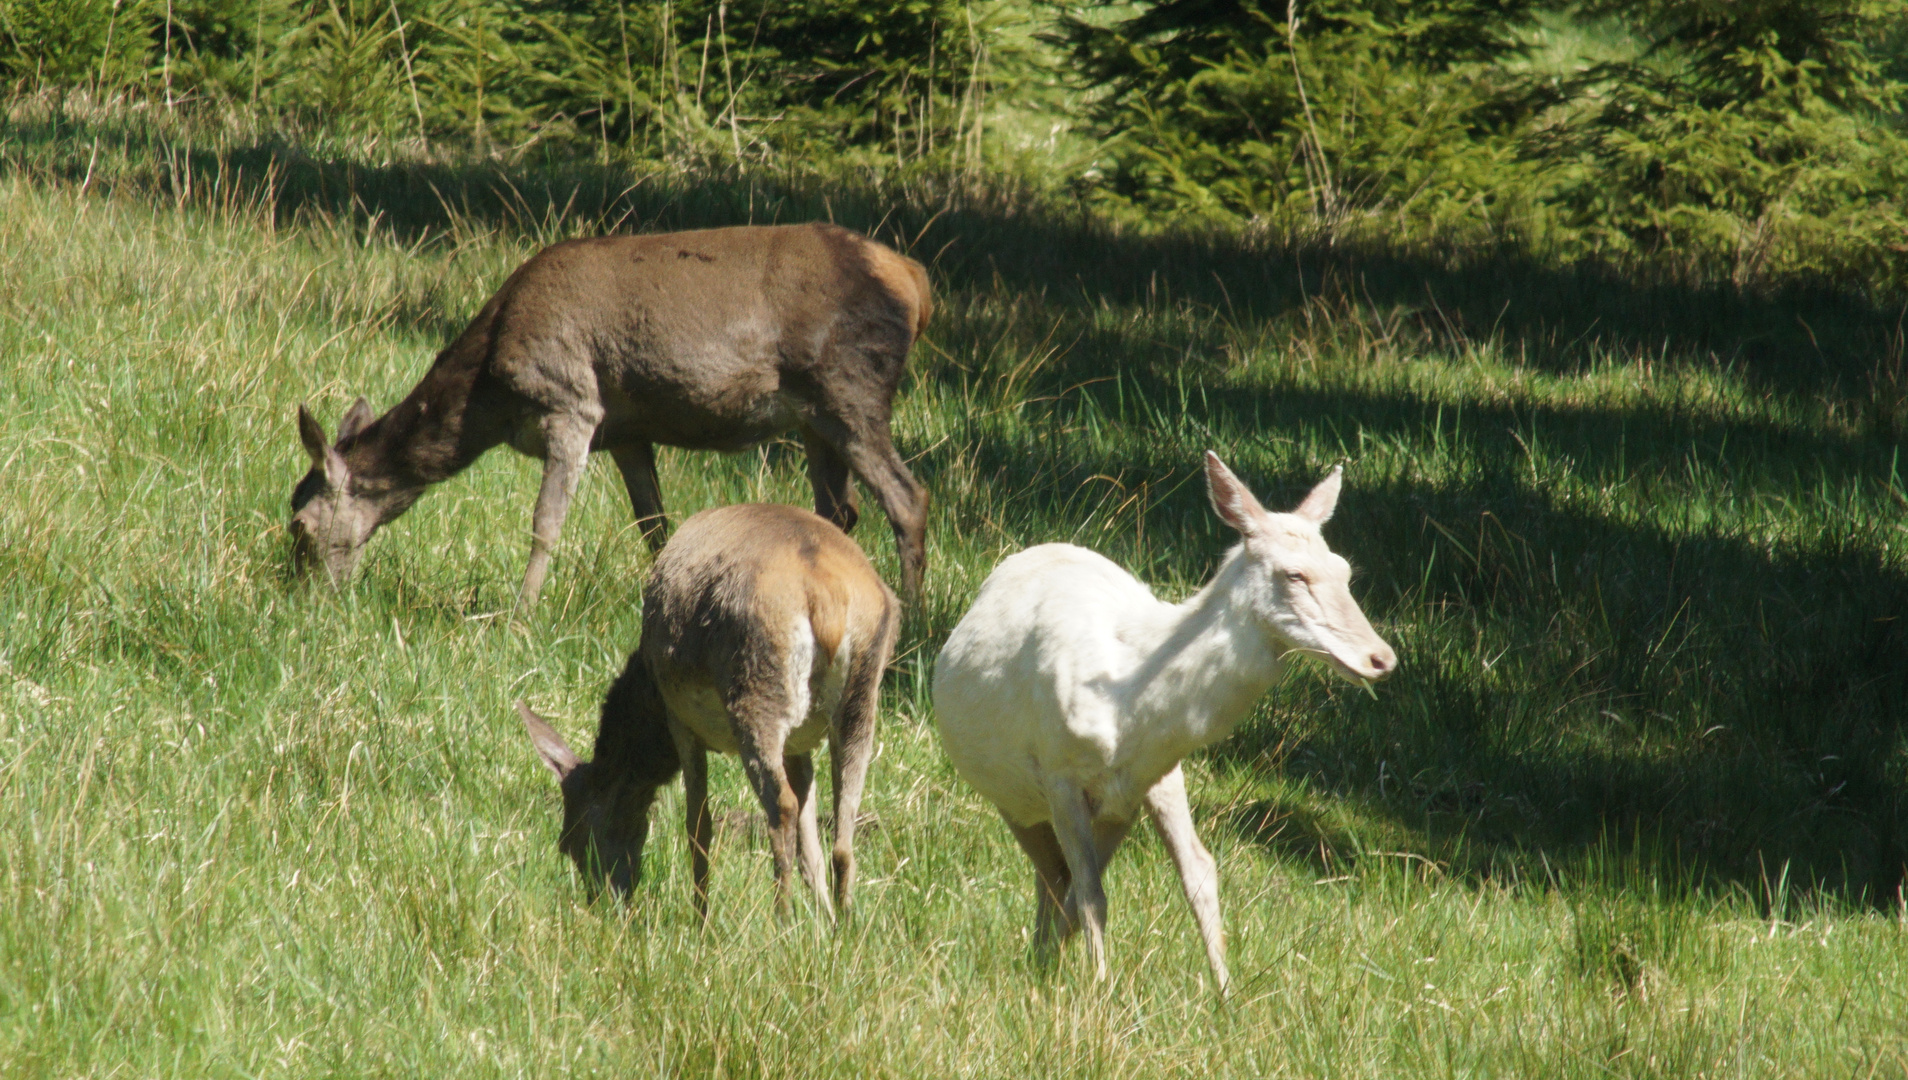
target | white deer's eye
x=1295, y=575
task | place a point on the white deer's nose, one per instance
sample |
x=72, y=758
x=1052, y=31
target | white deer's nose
x=1381, y=663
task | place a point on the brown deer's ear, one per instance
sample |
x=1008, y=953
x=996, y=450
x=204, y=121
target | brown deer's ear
x=550, y=745
x=356, y=419
x=1318, y=506
x=312, y=436
x=1231, y=499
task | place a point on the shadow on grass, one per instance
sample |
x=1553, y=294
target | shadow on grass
x=1567, y=683
x=1567, y=679
x=1812, y=342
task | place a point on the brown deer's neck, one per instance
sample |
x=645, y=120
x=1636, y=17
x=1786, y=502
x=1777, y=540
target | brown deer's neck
x=633, y=738
x=439, y=428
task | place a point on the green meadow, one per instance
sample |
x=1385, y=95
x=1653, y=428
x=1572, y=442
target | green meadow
x=1635, y=805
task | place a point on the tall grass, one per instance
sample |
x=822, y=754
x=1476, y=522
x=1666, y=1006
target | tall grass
x=1633, y=805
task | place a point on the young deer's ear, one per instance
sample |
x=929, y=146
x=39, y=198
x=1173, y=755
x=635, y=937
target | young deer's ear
x=549, y=744
x=1318, y=506
x=312, y=436
x=1231, y=500
x=356, y=419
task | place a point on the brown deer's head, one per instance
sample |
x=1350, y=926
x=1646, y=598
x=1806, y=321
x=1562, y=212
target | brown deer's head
x=605, y=811
x=333, y=511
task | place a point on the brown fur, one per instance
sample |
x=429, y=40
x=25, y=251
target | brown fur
x=724, y=665
x=712, y=340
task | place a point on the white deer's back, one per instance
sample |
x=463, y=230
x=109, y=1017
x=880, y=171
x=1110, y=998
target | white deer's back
x=1036, y=681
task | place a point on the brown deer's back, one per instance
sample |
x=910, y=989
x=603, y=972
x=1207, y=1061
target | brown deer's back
x=735, y=583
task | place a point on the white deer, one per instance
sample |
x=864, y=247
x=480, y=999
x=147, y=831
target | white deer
x=1068, y=694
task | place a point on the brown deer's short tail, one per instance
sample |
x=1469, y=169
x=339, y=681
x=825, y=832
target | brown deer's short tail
x=924, y=296
x=905, y=280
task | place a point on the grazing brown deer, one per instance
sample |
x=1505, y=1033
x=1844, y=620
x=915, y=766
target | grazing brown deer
x=765, y=632
x=712, y=340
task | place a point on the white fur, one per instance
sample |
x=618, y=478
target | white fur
x=1069, y=693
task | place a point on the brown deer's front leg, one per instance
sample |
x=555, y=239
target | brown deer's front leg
x=566, y=448
x=700, y=826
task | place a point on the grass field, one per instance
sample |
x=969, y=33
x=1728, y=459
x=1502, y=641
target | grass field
x=1636, y=804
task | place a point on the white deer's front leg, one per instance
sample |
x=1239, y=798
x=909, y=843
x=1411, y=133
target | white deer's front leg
x=1073, y=827
x=566, y=449
x=1198, y=872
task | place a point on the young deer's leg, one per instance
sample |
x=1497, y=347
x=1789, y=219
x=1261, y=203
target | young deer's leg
x=865, y=443
x=800, y=770
x=760, y=738
x=1051, y=881
x=1198, y=872
x=637, y=463
x=566, y=447
x=699, y=822
x=1073, y=827
x=851, y=748
x=834, y=485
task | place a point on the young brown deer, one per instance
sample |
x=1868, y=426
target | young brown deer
x=765, y=632
x=712, y=340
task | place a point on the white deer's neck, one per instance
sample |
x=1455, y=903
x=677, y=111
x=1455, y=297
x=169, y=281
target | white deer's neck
x=1211, y=660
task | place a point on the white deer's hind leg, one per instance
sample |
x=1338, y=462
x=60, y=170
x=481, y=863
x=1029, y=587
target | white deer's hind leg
x=1198, y=872
x=1052, y=880
x=566, y=448
x=800, y=769
x=1086, y=900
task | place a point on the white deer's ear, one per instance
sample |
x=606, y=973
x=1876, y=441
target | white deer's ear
x=550, y=745
x=1231, y=500
x=1318, y=506
x=312, y=436
x=356, y=419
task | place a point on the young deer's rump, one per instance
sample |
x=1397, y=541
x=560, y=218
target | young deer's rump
x=765, y=633
x=1068, y=693
x=711, y=340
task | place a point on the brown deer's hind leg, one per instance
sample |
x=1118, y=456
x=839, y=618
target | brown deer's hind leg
x=566, y=447
x=800, y=769
x=637, y=463
x=834, y=485
x=851, y=748
x=759, y=735
x=864, y=441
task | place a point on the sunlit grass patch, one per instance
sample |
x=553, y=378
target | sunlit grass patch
x=1633, y=805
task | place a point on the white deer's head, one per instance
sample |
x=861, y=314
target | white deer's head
x=333, y=514
x=1296, y=586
